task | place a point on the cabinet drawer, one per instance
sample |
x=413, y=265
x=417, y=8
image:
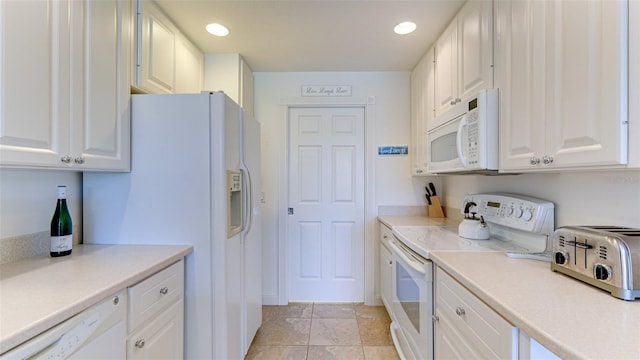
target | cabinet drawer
x=490, y=335
x=149, y=297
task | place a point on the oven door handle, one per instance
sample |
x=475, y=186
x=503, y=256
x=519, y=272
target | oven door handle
x=407, y=259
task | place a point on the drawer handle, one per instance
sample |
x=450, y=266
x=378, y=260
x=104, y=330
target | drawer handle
x=459, y=311
x=164, y=290
x=140, y=343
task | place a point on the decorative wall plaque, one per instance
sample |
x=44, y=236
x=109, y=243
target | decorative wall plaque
x=326, y=90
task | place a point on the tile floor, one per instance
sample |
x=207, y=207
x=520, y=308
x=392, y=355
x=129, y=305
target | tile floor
x=316, y=331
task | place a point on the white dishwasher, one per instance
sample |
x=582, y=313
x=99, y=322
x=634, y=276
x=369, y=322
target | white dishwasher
x=98, y=332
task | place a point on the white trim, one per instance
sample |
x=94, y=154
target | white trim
x=370, y=216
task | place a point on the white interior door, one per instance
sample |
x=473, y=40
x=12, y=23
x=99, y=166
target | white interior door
x=326, y=196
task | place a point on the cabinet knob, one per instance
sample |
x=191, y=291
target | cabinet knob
x=547, y=159
x=534, y=160
x=140, y=343
x=390, y=262
x=452, y=102
x=164, y=290
x=66, y=159
x=459, y=311
x=435, y=318
x=458, y=100
x=116, y=300
x=78, y=160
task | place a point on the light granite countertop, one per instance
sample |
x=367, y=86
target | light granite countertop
x=395, y=220
x=568, y=317
x=40, y=292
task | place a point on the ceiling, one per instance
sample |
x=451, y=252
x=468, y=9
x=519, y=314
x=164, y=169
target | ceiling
x=315, y=35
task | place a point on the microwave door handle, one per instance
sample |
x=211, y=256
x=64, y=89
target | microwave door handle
x=463, y=124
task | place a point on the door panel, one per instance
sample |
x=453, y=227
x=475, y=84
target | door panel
x=34, y=112
x=588, y=77
x=520, y=59
x=326, y=192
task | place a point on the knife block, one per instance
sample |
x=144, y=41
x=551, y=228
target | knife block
x=435, y=209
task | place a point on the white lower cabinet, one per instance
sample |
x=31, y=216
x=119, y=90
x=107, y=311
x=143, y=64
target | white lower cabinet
x=385, y=263
x=466, y=328
x=162, y=338
x=156, y=316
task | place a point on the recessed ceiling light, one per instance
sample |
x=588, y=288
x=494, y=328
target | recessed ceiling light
x=405, y=28
x=217, y=29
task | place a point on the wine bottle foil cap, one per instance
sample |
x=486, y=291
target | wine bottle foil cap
x=62, y=191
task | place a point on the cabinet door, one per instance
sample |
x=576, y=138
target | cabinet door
x=634, y=83
x=189, y=66
x=100, y=56
x=162, y=338
x=418, y=105
x=246, y=87
x=587, y=83
x=386, y=268
x=446, y=68
x=34, y=96
x=449, y=344
x=156, y=62
x=475, y=48
x=520, y=76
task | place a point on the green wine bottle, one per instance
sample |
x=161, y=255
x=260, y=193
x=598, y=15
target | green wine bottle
x=61, y=226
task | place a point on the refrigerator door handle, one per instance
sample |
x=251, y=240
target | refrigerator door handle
x=247, y=206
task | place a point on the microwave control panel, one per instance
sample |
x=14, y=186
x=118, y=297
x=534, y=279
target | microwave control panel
x=472, y=154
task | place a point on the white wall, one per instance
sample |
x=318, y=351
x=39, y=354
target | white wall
x=28, y=200
x=393, y=183
x=580, y=198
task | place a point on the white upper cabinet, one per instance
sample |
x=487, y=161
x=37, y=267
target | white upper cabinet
x=634, y=84
x=189, y=65
x=422, y=111
x=166, y=61
x=562, y=74
x=100, y=68
x=34, y=65
x=464, y=55
x=65, y=94
x=231, y=74
x=156, y=46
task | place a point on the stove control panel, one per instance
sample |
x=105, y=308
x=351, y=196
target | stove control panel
x=513, y=211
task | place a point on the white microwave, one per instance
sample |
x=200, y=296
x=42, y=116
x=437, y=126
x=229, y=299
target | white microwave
x=465, y=138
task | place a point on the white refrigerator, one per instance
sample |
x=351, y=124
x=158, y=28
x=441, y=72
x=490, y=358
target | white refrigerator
x=195, y=179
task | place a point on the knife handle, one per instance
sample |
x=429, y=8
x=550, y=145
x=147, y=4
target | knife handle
x=433, y=189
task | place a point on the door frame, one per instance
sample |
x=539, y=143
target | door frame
x=370, y=213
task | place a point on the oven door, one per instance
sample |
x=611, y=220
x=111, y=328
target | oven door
x=412, y=303
x=446, y=146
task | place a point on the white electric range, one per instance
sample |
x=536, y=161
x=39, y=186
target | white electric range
x=518, y=225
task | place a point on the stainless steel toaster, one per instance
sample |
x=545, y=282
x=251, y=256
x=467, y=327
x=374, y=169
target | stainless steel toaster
x=607, y=257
